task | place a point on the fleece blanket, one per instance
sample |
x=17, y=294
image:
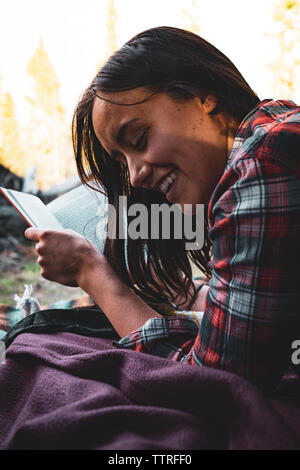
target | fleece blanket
x=66, y=391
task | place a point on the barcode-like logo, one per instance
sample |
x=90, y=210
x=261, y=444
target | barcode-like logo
x=296, y=354
x=2, y=352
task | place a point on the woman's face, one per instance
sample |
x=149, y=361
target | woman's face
x=175, y=147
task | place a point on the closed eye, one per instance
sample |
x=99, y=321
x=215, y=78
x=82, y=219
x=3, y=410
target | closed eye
x=139, y=145
x=141, y=142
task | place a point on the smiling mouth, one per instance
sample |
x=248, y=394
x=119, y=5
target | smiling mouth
x=167, y=182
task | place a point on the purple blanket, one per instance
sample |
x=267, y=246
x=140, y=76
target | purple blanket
x=65, y=391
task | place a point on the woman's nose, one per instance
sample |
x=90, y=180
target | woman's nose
x=139, y=174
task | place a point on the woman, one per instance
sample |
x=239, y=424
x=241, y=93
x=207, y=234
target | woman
x=170, y=118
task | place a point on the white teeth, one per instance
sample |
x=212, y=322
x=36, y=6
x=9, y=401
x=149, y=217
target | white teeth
x=167, y=182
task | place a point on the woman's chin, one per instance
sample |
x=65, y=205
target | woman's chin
x=189, y=204
x=188, y=208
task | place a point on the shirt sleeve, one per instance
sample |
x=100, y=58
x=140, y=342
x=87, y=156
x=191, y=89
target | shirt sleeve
x=171, y=337
x=252, y=307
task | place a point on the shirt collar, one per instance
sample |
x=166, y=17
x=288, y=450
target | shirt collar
x=243, y=129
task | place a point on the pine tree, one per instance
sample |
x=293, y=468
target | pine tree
x=47, y=132
x=46, y=84
x=12, y=154
x=111, y=32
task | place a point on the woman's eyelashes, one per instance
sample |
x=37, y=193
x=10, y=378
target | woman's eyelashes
x=141, y=142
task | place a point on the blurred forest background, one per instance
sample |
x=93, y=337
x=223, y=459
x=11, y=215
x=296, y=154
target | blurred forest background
x=261, y=37
x=44, y=139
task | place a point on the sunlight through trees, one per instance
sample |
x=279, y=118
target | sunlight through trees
x=190, y=16
x=47, y=131
x=45, y=139
x=286, y=66
x=12, y=154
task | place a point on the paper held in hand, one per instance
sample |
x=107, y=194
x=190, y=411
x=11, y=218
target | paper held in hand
x=82, y=209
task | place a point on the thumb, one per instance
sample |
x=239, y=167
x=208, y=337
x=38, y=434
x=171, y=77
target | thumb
x=33, y=233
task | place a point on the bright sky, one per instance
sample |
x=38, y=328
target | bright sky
x=74, y=31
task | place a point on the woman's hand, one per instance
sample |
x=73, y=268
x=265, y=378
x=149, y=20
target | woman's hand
x=64, y=256
x=70, y=259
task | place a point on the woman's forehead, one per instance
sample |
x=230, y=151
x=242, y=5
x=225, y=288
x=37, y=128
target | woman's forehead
x=107, y=117
x=114, y=103
x=103, y=112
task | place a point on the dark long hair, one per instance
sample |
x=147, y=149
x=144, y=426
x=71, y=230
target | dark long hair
x=183, y=65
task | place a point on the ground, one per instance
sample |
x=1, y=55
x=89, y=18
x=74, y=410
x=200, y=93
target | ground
x=18, y=266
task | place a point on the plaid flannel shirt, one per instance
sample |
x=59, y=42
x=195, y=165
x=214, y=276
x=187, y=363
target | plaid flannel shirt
x=251, y=314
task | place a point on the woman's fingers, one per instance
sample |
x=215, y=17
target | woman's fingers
x=40, y=248
x=33, y=233
x=62, y=255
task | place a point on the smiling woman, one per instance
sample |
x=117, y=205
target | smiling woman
x=179, y=148
x=180, y=100
x=169, y=119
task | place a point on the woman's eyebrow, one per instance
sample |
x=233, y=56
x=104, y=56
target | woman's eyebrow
x=121, y=132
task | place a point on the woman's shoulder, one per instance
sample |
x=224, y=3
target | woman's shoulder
x=267, y=142
x=272, y=130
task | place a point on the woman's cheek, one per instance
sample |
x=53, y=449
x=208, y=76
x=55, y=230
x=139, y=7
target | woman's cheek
x=162, y=150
